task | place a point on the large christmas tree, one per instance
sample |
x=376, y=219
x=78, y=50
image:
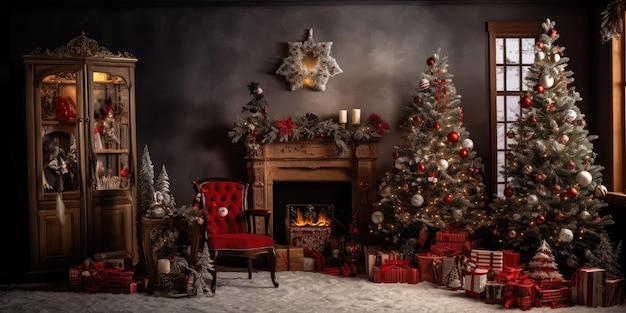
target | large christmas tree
x=554, y=190
x=436, y=179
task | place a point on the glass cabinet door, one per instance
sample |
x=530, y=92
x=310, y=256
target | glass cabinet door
x=110, y=138
x=59, y=162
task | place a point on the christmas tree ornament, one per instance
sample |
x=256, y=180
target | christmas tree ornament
x=547, y=81
x=570, y=115
x=508, y=192
x=442, y=164
x=447, y=199
x=512, y=233
x=570, y=165
x=430, y=61
x=437, y=126
x=417, y=200
x=377, y=217
x=463, y=153
x=527, y=169
x=453, y=136
x=583, y=178
x=540, y=219
x=421, y=167
x=532, y=199
x=398, y=209
x=564, y=139
x=585, y=215
x=258, y=91
x=510, y=133
x=559, y=216
x=424, y=83
x=526, y=101
x=572, y=192
x=457, y=214
x=556, y=189
x=222, y=211
x=539, y=56
x=386, y=191
x=556, y=57
x=467, y=144
x=600, y=192
x=539, y=88
x=516, y=216
x=541, y=177
x=432, y=179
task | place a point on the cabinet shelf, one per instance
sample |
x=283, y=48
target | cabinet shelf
x=110, y=151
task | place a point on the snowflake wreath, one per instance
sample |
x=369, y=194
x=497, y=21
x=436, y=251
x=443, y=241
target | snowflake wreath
x=256, y=128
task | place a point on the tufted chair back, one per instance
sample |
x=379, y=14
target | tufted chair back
x=225, y=203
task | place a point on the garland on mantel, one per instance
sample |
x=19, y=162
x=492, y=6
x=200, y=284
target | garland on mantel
x=256, y=128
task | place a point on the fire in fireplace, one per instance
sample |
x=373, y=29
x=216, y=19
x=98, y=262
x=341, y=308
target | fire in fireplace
x=310, y=225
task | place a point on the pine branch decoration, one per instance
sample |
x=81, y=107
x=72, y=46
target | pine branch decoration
x=612, y=20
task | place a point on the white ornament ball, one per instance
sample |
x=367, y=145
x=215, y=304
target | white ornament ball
x=222, y=211
x=556, y=57
x=467, y=144
x=566, y=235
x=532, y=199
x=517, y=216
x=377, y=217
x=585, y=215
x=540, y=55
x=259, y=91
x=457, y=214
x=571, y=114
x=443, y=164
x=424, y=83
x=600, y=191
x=583, y=178
x=547, y=81
x=417, y=200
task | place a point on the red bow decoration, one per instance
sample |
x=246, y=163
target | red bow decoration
x=441, y=84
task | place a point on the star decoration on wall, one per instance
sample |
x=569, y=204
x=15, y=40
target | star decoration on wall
x=309, y=64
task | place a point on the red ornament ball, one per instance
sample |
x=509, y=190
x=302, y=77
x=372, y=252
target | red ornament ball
x=453, y=137
x=572, y=192
x=540, y=219
x=571, y=165
x=540, y=45
x=539, y=88
x=559, y=216
x=556, y=189
x=436, y=126
x=124, y=172
x=508, y=192
x=526, y=102
x=430, y=61
x=447, y=199
x=421, y=168
x=463, y=153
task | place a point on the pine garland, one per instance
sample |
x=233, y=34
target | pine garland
x=612, y=20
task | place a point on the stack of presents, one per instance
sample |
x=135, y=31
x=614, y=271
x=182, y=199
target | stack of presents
x=493, y=276
x=110, y=272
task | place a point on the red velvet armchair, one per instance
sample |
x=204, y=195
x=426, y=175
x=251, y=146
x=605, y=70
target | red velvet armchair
x=227, y=223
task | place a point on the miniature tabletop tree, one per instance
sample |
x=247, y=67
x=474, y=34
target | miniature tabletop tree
x=542, y=265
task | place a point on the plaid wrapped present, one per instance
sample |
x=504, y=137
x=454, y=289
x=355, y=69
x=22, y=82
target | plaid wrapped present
x=396, y=271
x=613, y=291
x=519, y=292
x=588, y=286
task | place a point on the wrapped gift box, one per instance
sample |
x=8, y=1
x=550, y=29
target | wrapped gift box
x=613, y=291
x=120, y=259
x=459, y=236
x=424, y=261
x=475, y=282
x=524, y=303
x=101, y=280
x=560, y=294
x=487, y=258
x=289, y=258
x=553, y=283
x=494, y=291
x=588, y=286
x=313, y=237
x=396, y=271
x=509, y=273
x=510, y=258
x=519, y=293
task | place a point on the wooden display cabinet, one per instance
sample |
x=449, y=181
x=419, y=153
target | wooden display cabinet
x=80, y=111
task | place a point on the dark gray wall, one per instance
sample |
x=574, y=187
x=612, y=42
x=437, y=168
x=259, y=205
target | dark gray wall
x=196, y=58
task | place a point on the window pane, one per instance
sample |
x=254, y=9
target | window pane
x=500, y=78
x=528, y=50
x=499, y=51
x=512, y=78
x=500, y=140
x=525, y=70
x=499, y=108
x=500, y=190
x=512, y=51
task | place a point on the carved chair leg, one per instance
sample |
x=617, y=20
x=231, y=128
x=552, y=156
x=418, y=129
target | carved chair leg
x=271, y=258
x=249, y=267
x=214, y=255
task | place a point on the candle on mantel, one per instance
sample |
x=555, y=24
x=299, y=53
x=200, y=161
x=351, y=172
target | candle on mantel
x=356, y=116
x=343, y=116
x=164, y=266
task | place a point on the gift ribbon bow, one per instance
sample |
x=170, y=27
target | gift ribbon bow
x=441, y=84
x=389, y=264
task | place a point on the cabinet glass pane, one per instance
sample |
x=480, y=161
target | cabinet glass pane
x=111, y=137
x=57, y=98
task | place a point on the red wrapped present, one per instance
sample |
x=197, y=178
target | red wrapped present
x=494, y=291
x=487, y=258
x=510, y=258
x=120, y=259
x=396, y=271
x=613, y=291
x=553, y=283
x=475, y=282
x=509, y=273
x=452, y=235
x=588, y=286
x=524, y=303
x=560, y=294
x=519, y=292
x=424, y=262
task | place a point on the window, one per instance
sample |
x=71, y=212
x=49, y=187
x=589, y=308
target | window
x=511, y=53
x=618, y=194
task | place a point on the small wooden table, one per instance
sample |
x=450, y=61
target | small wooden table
x=150, y=227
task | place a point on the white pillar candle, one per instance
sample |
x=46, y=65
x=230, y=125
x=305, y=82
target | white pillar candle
x=343, y=116
x=356, y=116
x=164, y=266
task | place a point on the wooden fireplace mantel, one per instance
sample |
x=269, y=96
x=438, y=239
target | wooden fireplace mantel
x=315, y=161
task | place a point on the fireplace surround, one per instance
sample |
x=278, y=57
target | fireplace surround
x=314, y=161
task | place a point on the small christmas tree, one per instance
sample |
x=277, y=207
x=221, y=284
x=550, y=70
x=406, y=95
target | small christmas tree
x=436, y=179
x=542, y=265
x=554, y=190
x=604, y=256
x=205, y=273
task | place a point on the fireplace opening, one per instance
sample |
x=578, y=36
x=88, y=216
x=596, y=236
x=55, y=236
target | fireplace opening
x=335, y=196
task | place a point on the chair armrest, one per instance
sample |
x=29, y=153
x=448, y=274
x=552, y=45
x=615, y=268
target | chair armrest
x=251, y=214
x=258, y=212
